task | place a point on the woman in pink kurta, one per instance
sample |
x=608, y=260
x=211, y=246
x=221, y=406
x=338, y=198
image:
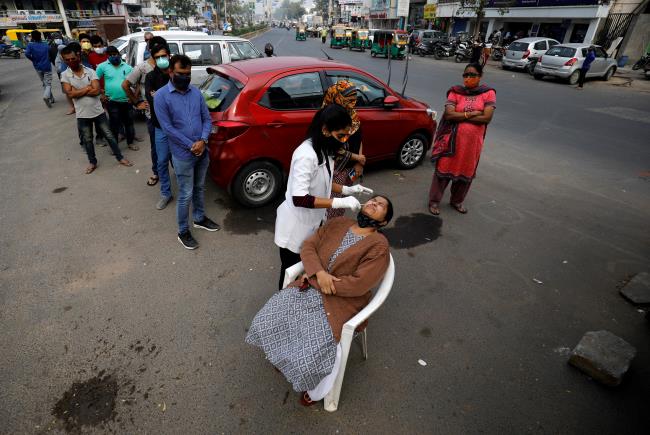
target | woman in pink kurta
x=459, y=141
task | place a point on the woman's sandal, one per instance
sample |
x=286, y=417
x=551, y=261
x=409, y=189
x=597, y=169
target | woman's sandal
x=152, y=181
x=459, y=208
x=306, y=401
x=434, y=210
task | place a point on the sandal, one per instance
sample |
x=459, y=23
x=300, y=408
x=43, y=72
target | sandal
x=459, y=208
x=305, y=400
x=125, y=162
x=152, y=181
x=133, y=147
x=90, y=169
x=434, y=210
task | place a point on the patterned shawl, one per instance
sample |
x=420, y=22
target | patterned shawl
x=335, y=95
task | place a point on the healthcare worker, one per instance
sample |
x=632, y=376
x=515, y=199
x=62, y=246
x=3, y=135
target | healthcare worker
x=310, y=184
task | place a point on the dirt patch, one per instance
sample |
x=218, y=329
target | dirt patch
x=87, y=403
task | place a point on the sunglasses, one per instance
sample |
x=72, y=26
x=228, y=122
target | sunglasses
x=466, y=75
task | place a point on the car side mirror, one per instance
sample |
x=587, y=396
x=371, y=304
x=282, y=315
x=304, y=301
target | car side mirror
x=390, y=102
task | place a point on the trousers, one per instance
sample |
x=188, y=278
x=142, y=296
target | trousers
x=459, y=189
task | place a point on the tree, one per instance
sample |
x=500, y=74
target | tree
x=478, y=8
x=181, y=8
x=290, y=10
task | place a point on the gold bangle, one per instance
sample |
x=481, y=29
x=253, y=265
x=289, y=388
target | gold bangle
x=465, y=115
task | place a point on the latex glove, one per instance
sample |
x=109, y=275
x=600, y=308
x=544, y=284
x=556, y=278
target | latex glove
x=348, y=202
x=357, y=188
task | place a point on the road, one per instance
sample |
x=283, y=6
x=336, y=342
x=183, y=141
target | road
x=97, y=298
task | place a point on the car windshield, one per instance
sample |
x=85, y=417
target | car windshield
x=518, y=46
x=561, y=52
x=219, y=92
x=246, y=50
x=117, y=42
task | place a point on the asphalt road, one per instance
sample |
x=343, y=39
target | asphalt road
x=98, y=299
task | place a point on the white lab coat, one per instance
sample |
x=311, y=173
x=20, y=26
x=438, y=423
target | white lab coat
x=293, y=225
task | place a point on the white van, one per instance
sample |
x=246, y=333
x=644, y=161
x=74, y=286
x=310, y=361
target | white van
x=204, y=50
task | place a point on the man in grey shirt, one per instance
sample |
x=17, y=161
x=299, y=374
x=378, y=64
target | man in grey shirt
x=82, y=85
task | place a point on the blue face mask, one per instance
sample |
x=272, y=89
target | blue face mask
x=162, y=62
x=115, y=59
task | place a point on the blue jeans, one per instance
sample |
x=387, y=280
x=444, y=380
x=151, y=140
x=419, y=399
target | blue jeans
x=152, y=140
x=163, y=156
x=85, y=127
x=190, y=176
x=46, y=80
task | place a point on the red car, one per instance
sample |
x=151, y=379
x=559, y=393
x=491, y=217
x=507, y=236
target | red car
x=261, y=109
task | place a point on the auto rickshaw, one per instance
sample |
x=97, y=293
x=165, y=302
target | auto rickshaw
x=159, y=27
x=337, y=40
x=389, y=41
x=300, y=33
x=348, y=36
x=359, y=39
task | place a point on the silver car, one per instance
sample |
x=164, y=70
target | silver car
x=565, y=61
x=520, y=52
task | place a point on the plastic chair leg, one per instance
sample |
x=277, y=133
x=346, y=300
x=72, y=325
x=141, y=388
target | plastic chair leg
x=364, y=343
x=331, y=402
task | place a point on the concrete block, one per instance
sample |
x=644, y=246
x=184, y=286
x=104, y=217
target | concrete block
x=637, y=290
x=603, y=356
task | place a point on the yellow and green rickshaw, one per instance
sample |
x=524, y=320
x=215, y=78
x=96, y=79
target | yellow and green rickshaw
x=337, y=39
x=359, y=39
x=19, y=39
x=389, y=41
x=300, y=33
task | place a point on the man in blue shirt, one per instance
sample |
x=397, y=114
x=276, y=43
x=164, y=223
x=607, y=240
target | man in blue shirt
x=586, y=65
x=185, y=119
x=39, y=53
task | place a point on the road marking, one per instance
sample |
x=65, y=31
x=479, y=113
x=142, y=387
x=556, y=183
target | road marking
x=625, y=113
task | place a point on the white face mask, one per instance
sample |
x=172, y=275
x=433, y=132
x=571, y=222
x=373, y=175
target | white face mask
x=100, y=50
x=58, y=41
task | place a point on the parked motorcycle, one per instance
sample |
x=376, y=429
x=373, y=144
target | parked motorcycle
x=425, y=48
x=641, y=63
x=498, y=52
x=444, y=50
x=530, y=68
x=9, y=51
x=463, y=52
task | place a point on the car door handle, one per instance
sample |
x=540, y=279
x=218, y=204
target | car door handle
x=275, y=124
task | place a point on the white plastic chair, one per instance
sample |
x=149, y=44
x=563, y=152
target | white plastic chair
x=332, y=398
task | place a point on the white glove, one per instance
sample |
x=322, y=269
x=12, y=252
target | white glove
x=348, y=202
x=357, y=188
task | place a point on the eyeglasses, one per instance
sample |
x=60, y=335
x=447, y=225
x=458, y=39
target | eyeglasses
x=466, y=75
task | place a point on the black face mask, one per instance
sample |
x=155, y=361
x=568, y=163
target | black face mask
x=365, y=221
x=333, y=146
x=181, y=81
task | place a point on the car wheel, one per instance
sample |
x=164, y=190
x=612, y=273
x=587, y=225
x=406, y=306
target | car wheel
x=538, y=76
x=257, y=184
x=373, y=54
x=573, y=78
x=411, y=152
x=608, y=75
x=460, y=58
x=505, y=67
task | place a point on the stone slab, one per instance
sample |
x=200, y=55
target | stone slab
x=603, y=356
x=637, y=290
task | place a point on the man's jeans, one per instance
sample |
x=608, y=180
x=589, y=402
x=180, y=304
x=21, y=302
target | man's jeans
x=120, y=114
x=164, y=156
x=190, y=176
x=85, y=127
x=46, y=80
x=152, y=139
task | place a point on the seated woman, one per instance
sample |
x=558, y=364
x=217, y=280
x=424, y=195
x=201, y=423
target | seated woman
x=300, y=327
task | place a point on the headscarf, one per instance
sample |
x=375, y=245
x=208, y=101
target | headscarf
x=336, y=95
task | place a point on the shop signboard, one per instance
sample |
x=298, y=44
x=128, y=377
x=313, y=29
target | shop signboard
x=430, y=12
x=34, y=18
x=402, y=8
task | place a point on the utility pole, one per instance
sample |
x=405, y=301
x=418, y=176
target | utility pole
x=329, y=12
x=66, y=26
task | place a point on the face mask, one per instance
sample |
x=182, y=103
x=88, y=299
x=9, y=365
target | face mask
x=333, y=145
x=99, y=50
x=74, y=64
x=86, y=46
x=58, y=41
x=115, y=60
x=364, y=221
x=471, y=82
x=181, y=82
x=162, y=62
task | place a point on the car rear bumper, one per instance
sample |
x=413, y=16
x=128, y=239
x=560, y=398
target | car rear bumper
x=514, y=63
x=223, y=164
x=563, y=72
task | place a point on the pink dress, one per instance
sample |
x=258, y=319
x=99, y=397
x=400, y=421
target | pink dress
x=469, y=137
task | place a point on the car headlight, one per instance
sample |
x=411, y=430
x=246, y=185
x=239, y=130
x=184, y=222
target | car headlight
x=432, y=113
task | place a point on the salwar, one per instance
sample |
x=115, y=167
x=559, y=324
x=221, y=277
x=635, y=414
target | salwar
x=459, y=189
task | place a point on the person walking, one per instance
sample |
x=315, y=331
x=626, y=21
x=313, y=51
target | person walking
x=185, y=119
x=349, y=160
x=586, y=65
x=133, y=86
x=459, y=138
x=323, y=34
x=310, y=184
x=155, y=80
x=39, y=53
x=114, y=72
x=82, y=85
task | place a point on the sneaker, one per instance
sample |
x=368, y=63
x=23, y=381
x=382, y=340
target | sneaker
x=48, y=103
x=162, y=202
x=207, y=224
x=188, y=241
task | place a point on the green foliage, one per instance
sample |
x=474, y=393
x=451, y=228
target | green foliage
x=243, y=30
x=181, y=8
